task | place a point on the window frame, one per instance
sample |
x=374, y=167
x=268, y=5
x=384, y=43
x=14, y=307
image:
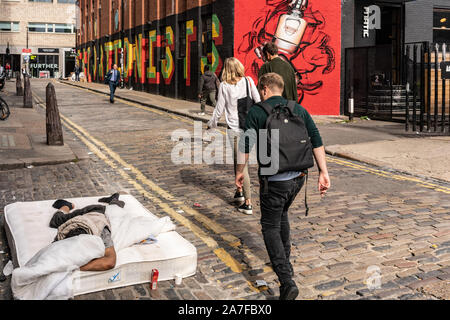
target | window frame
x=12, y=23
x=439, y=29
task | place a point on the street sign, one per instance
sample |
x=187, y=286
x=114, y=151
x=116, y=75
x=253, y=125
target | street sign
x=445, y=70
x=48, y=50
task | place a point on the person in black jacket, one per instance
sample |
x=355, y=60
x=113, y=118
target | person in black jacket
x=113, y=79
x=209, y=84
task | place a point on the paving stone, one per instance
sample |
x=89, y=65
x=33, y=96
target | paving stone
x=329, y=285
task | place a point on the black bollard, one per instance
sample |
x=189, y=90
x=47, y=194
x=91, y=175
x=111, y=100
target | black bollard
x=53, y=121
x=19, y=89
x=27, y=96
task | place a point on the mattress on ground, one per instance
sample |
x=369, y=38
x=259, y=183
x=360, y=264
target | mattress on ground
x=28, y=231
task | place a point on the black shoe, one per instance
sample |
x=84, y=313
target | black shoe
x=246, y=208
x=288, y=292
x=117, y=202
x=61, y=203
x=239, y=197
x=108, y=199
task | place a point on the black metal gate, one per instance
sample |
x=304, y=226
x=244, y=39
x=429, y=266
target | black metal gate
x=374, y=83
x=426, y=77
x=415, y=92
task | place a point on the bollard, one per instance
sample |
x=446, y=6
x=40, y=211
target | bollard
x=19, y=89
x=351, y=105
x=53, y=121
x=27, y=97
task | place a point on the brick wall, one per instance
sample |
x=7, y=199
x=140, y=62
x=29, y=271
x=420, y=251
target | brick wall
x=162, y=42
x=24, y=12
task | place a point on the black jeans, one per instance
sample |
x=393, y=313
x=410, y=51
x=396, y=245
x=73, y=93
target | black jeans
x=275, y=223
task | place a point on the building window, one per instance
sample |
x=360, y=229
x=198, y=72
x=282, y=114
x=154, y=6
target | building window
x=182, y=39
x=40, y=1
x=206, y=35
x=51, y=27
x=63, y=28
x=9, y=26
x=67, y=1
x=37, y=27
x=441, y=25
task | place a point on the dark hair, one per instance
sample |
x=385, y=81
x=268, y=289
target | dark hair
x=206, y=67
x=270, y=48
x=271, y=80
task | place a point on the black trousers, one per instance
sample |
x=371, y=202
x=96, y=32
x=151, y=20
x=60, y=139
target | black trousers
x=275, y=203
x=112, y=89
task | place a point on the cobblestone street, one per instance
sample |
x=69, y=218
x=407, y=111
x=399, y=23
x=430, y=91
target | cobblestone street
x=370, y=217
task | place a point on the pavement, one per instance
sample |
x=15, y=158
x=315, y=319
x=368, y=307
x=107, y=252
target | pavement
x=23, y=137
x=374, y=224
x=379, y=143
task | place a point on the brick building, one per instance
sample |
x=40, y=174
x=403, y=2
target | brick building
x=46, y=28
x=166, y=43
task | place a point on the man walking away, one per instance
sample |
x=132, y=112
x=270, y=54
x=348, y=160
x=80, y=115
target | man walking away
x=284, y=69
x=113, y=79
x=77, y=72
x=298, y=135
x=209, y=83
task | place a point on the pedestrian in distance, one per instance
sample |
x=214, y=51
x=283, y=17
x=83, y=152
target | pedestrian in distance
x=113, y=79
x=77, y=72
x=281, y=179
x=209, y=84
x=235, y=86
x=8, y=70
x=275, y=64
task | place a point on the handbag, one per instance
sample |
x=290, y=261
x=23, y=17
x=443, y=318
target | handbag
x=244, y=105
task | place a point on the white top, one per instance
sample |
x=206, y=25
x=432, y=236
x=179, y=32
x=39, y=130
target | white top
x=227, y=102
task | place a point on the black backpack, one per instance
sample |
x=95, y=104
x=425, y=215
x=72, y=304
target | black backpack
x=295, y=149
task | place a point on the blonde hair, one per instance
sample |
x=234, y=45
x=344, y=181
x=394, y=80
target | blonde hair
x=233, y=70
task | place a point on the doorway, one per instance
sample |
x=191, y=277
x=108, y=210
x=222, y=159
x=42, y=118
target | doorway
x=392, y=34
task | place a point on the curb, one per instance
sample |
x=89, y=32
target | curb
x=154, y=106
x=20, y=164
x=354, y=157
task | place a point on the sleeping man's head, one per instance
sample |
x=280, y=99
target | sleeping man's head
x=63, y=205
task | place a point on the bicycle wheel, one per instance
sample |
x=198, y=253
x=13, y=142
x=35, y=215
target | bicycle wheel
x=4, y=110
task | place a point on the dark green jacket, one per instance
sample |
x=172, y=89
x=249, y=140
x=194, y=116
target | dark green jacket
x=256, y=119
x=285, y=70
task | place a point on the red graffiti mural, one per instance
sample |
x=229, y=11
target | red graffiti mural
x=307, y=33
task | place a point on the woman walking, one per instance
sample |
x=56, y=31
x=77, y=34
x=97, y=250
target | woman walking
x=234, y=86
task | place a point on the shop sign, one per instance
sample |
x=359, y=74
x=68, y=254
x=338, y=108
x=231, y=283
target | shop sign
x=372, y=19
x=26, y=50
x=445, y=70
x=48, y=50
x=44, y=66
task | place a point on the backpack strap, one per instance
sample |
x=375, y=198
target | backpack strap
x=291, y=106
x=266, y=107
x=246, y=86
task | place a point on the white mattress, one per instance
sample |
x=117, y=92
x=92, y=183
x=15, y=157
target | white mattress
x=28, y=231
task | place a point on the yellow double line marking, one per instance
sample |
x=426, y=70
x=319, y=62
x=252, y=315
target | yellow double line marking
x=95, y=146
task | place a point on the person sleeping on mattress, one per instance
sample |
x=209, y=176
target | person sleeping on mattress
x=88, y=220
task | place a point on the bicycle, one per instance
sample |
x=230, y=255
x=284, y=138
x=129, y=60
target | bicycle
x=4, y=109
